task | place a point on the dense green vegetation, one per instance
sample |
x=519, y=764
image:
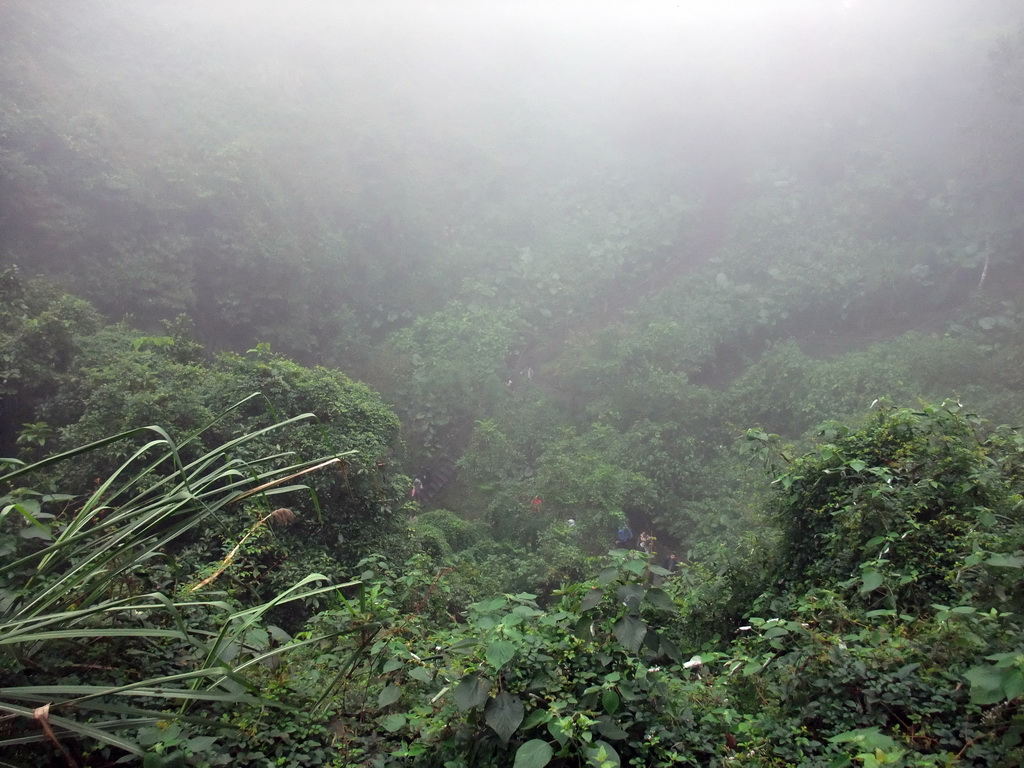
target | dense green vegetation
x=689, y=394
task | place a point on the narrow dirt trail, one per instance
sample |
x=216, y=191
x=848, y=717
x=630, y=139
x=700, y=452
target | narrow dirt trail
x=531, y=368
x=694, y=251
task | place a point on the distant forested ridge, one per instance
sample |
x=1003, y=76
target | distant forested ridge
x=511, y=385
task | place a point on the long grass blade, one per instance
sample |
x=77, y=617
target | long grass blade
x=153, y=498
x=78, y=728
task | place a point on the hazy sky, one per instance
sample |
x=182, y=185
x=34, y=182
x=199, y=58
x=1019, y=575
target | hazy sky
x=642, y=85
x=390, y=125
x=633, y=71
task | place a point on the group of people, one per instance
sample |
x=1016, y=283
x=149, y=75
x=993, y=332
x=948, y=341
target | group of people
x=645, y=542
x=526, y=373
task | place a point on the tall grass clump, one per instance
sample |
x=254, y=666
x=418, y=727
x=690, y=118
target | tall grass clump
x=89, y=652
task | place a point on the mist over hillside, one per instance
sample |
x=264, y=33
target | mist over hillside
x=377, y=157
x=474, y=378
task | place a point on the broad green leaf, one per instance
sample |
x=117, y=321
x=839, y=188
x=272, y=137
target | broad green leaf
x=668, y=648
x=857, y=465
x=584, y=628
x=201, y=743
x=471, y=692
x=499, y=653
x=535, y=718
x=629, y=691
x=389, y=695
x=986, y=684
x=630, y=631
x=867, y=739
x=870, y=581
x=1006, y=561
x=392, y=723
x=35, y=533
x=591, y=600
x=422, y=674
x=464, y=646
x=28, y=507
x=660, y=599
x=147, y=737
x=557, y=732
x=652, y=640
x=536, y=753
x=630, y=595
x=504, y=713
x=636, y=566
x=1013, y=684
x=602, y=755
x=610, y=701
x=903, y=672
x=608, y=728
x=490, y=606
x=526, y=612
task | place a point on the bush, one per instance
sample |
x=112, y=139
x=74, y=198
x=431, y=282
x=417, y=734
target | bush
x=894, y=506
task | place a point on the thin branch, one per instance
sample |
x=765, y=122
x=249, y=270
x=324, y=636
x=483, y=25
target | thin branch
x=42, y=715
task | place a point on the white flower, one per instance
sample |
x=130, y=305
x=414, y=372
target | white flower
x=746, y=628
x=695, y=661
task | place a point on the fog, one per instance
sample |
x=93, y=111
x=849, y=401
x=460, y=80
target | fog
x=560, y=87
x=381, y=140
x=653, y=315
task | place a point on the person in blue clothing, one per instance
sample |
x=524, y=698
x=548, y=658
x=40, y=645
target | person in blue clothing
x=625, y=535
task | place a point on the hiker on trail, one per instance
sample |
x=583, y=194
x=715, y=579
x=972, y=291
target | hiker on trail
x=646, y=542
x=535, y=503
x=625, y=535
x=417, y=488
